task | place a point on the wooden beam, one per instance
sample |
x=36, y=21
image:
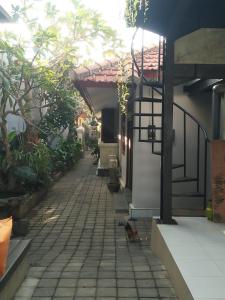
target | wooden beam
x=189, y=72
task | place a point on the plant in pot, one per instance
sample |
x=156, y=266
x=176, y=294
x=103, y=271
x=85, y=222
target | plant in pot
x=209, y=211
x=113, y=184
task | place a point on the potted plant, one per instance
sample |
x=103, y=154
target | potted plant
x=113, y=184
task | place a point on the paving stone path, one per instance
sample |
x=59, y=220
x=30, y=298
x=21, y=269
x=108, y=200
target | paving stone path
x=79, y=252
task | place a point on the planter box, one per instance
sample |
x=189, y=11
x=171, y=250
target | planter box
x=27, y=203
x=218, y=180
x=19, y=207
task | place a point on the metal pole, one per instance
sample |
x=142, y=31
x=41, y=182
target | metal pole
x=167, y=120
x=205, y=175
x=185, y=145
x=198, y=158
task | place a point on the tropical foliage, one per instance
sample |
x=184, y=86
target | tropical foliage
x=123, y=83
x=132, y=11
x=36, y=88
x=137, y=12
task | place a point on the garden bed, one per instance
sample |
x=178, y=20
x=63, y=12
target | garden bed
x=19, y=206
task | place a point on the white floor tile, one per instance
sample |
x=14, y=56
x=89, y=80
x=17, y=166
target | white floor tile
x=206, y=287
x=199, y=268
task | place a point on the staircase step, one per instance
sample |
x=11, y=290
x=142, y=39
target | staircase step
x=189, y=195
x=150, y=141
x=176, y=166
x=147, y=115
x=184, y=179
x=183, y=212
x=148, y=100
x=157, y=153
x=155, y=84
x=146, y=128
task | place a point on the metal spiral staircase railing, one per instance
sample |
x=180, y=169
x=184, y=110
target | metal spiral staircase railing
x=148, y=122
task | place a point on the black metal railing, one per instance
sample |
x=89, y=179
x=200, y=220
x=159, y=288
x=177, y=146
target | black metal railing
x=201, y=148
x=154, y=131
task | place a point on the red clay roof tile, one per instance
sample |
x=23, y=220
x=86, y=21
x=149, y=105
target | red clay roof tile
x=108, y=71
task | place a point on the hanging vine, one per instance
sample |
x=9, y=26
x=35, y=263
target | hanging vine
x=137, y=12
x=122, y=87
x=131, y=12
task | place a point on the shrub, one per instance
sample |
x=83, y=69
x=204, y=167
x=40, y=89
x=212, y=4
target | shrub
x=35, y=162
x=66, y=154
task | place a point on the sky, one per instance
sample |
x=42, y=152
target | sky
x=112, y=11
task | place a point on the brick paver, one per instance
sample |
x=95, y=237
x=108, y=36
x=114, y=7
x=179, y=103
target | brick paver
x=79, y=252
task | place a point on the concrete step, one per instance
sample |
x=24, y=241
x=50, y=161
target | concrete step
x=121, y=201
x=17, y=267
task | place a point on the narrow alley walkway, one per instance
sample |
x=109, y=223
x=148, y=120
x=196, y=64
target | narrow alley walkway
x=79, y=252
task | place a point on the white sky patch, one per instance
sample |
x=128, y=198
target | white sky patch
x=111, y=11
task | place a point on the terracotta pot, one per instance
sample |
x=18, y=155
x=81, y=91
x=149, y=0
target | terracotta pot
x=5, y=233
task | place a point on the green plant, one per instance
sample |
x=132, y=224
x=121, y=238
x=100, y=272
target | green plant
x=131, y=12
x=95, y=148
x=27, y=177
x=7, y=182
x=66, y=154
x=137, y=12
x=38, y=160
x=61, y=113
x=43, y=81
x=209, y=211
x=122, y=87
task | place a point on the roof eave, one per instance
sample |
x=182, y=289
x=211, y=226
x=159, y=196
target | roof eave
x=176, y=18
x=4, y=16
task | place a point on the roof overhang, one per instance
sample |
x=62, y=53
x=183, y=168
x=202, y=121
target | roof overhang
x=99, y=97
x=176, y=18
x=97, y=84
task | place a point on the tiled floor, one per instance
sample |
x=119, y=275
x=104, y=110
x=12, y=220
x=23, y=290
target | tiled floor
x=198, y=249
x=78, y=250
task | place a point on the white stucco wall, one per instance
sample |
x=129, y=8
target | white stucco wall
x=198, y=105
x=15, y=123
x=201, y=47
x=146, y=169
x=146, y=166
